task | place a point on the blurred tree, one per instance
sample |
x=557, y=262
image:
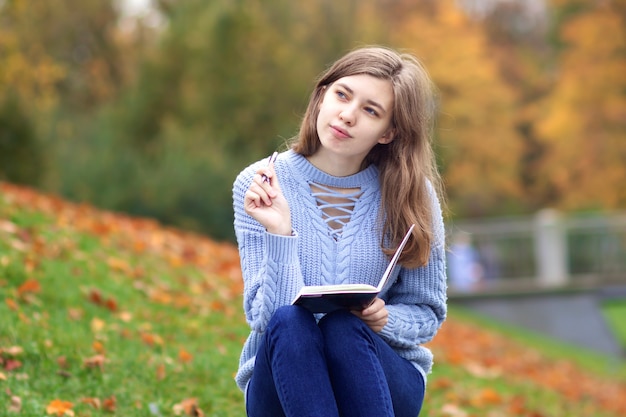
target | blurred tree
x=28, y=77
x=77, y=37
x=477, y=142
x=582, y=122
x=226, y=85
x=20, y=158
x=518, y=33
x=62, y=60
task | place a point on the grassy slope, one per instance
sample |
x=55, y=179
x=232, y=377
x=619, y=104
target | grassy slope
x=121, y=316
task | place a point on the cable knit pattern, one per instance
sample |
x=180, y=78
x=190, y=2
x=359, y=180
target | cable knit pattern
x=276, y=267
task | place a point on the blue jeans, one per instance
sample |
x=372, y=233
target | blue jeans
x=337, y=367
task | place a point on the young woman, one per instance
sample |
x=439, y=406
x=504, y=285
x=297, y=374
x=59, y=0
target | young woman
x=330, y=210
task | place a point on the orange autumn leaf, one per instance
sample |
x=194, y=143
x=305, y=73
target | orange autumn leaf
x=60, y=408
x=94, y=402
x=96, y=361
x=97, y=325
x=95, y=296
x=29, y=286
x=75, y=314
x=151, y=339
x=119, y=265
x=487, y=396
x=442, y=383
x=12, y=350
x=11, y=303
x=98, y=347
x=111, y=304
x=12, y=364
x=160, y=372
x=62, y=362
x=15, y=405
x=109, y=404
x=184, y=356
x=125, y=316
x=189, y=407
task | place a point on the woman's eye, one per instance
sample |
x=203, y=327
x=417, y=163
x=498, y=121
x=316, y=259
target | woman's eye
x=341, y=95
x=371, y=111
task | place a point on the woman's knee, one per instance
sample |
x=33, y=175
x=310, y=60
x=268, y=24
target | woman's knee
x=290, y=320
x=342, y=326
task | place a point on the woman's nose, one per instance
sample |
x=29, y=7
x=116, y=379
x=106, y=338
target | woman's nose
x=347, y=116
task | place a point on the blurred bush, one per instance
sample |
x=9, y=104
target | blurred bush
x=20, y=152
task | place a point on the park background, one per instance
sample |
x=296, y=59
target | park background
x=155, y=113
x=150, y=109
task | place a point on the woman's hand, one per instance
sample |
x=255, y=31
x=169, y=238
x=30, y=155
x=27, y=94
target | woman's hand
x=375, y=316
x=265, y=202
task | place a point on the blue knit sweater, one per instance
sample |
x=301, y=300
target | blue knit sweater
x=276, y=267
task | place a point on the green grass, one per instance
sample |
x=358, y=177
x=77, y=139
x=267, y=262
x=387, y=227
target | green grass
x=159, y=308
x=615, y=313
x=142, y=338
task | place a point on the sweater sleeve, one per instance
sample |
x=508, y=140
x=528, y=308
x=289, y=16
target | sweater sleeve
x=269, y=263
x=417, y=301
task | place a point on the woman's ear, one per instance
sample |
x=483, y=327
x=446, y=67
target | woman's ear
x=387, y=137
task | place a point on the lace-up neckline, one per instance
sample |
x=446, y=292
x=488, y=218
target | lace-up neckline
x=336, y=205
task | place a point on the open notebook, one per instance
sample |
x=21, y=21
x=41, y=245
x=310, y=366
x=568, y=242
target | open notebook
x=326, y=298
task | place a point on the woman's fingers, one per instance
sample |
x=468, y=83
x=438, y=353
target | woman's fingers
x=375, y=316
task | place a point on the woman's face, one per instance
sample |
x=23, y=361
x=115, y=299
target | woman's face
x=354, y=115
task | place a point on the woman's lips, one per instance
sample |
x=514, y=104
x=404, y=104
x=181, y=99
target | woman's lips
x=339, y=132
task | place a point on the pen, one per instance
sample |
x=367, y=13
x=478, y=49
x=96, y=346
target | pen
x=272, y=159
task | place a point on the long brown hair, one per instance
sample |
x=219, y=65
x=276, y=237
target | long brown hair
x=408, y=171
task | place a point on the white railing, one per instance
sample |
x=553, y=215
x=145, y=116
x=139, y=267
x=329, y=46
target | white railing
x=549, y=249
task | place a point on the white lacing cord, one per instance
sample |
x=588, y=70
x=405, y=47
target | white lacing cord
x=341, y=208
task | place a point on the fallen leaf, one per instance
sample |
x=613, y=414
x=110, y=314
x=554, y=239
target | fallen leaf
x=184, y=356
x=95, y=296
x=96, y=361
x=119, y=265
x=481, y=371
x=151, y=339
x=111, y=304
x=109, y=404
x=12, y=364
x=13, y=350
x=487, y=396
x=97, y=325
x=442, y=383
x=125, y=316
x=453, y=410
x=189, y=407
x=98, y=347
x=8, y=227
x=62, y=362
x=94, y=402
x=11, y=303
x=75, y=313
x=60, y=408
x=160, y=372
x=29, y=286
x=15, y=406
